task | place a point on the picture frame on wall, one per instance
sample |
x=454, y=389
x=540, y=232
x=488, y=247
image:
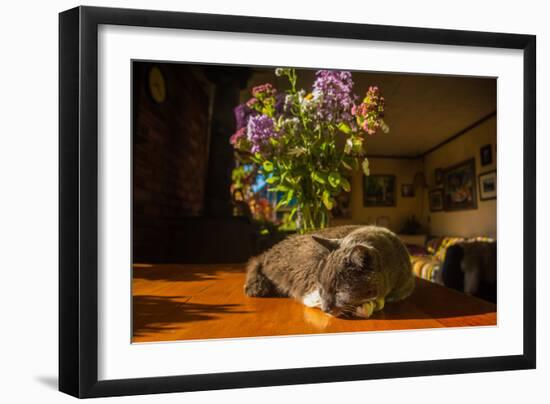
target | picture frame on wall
x=486, y=155
x=459, y=186
x=435, y=199
x=96, y=49
x=487, y=185
x=379, y=190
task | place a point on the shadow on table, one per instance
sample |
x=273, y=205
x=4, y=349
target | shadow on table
x=154, y=314
x=184, y=272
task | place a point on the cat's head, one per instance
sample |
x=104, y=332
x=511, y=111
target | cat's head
x=348, y=276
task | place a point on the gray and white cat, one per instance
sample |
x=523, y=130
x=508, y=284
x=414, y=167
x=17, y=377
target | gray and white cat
x=348, y=271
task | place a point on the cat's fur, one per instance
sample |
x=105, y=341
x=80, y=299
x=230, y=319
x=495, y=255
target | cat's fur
x=338, y=269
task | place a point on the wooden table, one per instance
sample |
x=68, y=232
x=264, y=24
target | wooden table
x=184, y=302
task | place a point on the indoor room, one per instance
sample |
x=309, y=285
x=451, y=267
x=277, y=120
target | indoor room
x=230, y=162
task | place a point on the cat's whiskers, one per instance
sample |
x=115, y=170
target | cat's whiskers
x=347, y=311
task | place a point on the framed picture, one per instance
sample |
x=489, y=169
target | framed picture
x=379, y=190
x=104, y=171
x=488, y=185
x=486, y=155
x=435, y=197
x=438, y=176
x=459, y=188
x=407, y=190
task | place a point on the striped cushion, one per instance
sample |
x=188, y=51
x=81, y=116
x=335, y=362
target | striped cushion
x=425, y=266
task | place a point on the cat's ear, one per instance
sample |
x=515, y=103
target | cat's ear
x=364, y=257
x=330, y=244
x=361, y=256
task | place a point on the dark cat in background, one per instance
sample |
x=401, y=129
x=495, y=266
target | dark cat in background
x=347, y=271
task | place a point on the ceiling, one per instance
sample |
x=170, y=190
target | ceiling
x=422, y=111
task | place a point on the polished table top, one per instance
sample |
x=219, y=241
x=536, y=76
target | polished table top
x=185, y=302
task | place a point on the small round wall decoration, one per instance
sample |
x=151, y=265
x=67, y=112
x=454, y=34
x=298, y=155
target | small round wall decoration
x=157, y=85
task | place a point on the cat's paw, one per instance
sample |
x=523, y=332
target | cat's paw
x=368, y=308
x=312, y=299
x=258, y=287
x=365, y=310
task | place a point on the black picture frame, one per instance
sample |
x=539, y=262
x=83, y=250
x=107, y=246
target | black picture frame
x=480, y=177
x=78, y=200
x=486, y=155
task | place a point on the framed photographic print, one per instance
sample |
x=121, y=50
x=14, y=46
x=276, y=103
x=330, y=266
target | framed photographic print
x=407, y=190
x=486, y=155
x=488, y=185
x=379, y=190
x=459, y=188
x=435, y=198
x=191, y=145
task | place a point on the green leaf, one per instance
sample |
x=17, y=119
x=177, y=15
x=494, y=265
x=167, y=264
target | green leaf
x=365, y=166
x=272, y=180
x=268, y=166
x=281, y=203
x=289, y=196
x=318, y=177
x=327, y=200
x=345, y=184
x=281, y=188
x=334, y=179
x=292, y=212
x=344, y=127
x=346, y=165
x=286, y=199
x=357, y=145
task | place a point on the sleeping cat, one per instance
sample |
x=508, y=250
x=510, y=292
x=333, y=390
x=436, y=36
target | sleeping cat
x=347, y=271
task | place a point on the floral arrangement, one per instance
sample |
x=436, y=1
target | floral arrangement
x=305, y=143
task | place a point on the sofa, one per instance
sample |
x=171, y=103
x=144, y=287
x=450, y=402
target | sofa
x=465, y=264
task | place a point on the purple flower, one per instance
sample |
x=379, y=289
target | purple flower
x=280, y=103
x=242, y=114
x=332, y=90
x=260, y=128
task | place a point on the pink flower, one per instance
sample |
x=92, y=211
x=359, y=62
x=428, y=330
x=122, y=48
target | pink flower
x=251, y=102
x=241, y=133
x=264, y=90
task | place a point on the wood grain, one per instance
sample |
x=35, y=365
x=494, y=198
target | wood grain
x=186, y=302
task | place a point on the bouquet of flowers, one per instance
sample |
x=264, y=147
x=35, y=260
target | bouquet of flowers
x=304, y=143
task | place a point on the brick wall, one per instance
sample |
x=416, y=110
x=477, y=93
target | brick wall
x=169, y=155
